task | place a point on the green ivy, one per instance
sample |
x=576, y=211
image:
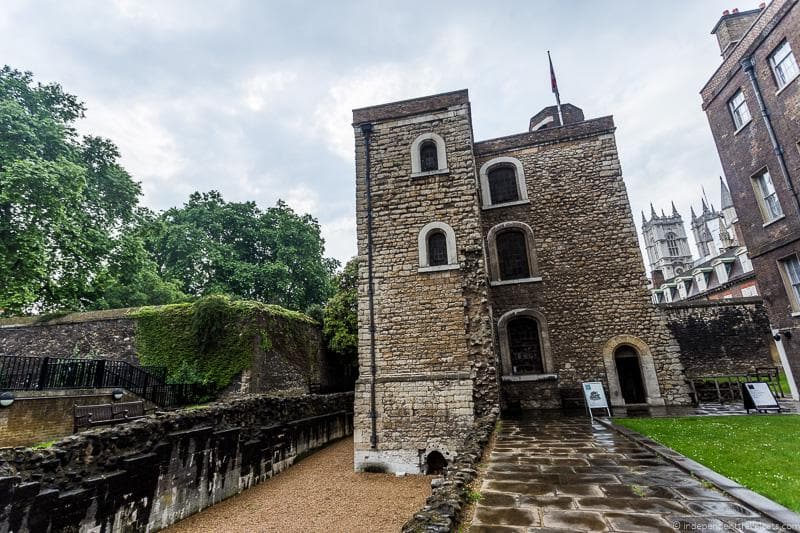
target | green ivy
x=212, y=339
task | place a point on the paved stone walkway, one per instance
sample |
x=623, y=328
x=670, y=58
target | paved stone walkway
x=556, y=473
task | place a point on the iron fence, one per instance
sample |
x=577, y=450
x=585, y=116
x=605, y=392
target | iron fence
x=41, y=373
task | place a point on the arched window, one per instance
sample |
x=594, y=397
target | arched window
x=512, y=255
x=672, y=244
x=503, y=184
x=525, y=346
x=428, y=157
x=437, y=248
x=524, y=343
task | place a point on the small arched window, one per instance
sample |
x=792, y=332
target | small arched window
x=525, y=346
x=512, y=255
x=437, y=248
x=503, y=184
x=672, y=244
x=428, y=156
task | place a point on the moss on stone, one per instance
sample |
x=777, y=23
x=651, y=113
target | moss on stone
x=212, y=339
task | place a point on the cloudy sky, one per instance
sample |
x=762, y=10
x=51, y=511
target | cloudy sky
x=254, y=98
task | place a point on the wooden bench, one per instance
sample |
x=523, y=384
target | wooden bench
x=107, y=413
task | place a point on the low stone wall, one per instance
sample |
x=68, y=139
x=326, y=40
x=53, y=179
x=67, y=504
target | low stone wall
x=41, y=416
x=450, y=494
x=721, y=336
x=150, y=473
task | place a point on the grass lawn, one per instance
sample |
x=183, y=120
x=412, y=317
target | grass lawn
x=761, y=452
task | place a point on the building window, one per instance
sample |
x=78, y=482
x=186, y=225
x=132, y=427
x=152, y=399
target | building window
x=672, y=244
x=784, y=65
x=739, y=110
x=525, y=346
x=503, y=184
x=767, y=197
x=437, y=247
x=790, y=271
x=427, y=156
x=512, y=255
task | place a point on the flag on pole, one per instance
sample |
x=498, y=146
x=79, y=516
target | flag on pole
x=553, y=82
x=554, y=86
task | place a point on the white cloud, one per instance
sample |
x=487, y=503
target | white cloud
x=303, y=199
x=340, y=237
x=149, y=150
x=260, y=90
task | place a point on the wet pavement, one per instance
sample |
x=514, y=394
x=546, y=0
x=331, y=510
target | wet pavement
x=551, y=472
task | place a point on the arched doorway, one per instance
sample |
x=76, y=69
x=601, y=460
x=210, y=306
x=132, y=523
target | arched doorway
x=435, y=464
x=626, y=360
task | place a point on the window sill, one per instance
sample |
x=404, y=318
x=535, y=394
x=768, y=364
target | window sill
x=774, y=220
x=439, y=268
x=779, y=91
x=531, y=377
x=514, y=281
x=415, y=175
x=507, y=204
x=743, y=126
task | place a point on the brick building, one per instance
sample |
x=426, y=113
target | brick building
x=501, y=272
x=753, y=106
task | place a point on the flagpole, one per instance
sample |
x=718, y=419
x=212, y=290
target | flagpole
x=554, y=85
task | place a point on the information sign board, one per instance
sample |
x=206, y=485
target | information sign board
x=758, y=396
x=595, y=397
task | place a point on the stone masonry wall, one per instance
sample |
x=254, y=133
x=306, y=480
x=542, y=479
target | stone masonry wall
x=429, y=326
x=148, y=474
x=42, y=416
x=721, y=337
x=78, y=334
x=592, y=287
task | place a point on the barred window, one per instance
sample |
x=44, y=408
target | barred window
x=428, y=156
x=512, y=255
x=503, y=184
x=525, y=346
x=437, y=249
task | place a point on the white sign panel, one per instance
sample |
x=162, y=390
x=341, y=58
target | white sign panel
x=761, y=395
x=595, y=395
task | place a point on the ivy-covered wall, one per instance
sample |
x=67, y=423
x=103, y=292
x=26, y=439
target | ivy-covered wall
x=233, y=345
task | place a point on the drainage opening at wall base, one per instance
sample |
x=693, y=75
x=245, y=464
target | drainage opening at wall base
x=435, y=463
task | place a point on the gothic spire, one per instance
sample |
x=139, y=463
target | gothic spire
x=653, y=213
x=726, y=200
x=705, y=207
x=691, y=210
x=674, y=211
x=644, y=220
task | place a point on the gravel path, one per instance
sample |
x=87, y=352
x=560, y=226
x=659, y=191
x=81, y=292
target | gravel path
x=320, y=493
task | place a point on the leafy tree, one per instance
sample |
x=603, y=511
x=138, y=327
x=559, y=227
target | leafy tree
x=214, y=246
x=341, y=316
x=63, y=200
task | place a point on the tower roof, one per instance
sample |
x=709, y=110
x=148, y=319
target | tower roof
x=725, y=193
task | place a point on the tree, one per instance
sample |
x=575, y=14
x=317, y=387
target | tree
x=214, y=246
x=341, y=316
x=65, y=201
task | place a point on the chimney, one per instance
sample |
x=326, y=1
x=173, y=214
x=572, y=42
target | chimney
x=732, y=26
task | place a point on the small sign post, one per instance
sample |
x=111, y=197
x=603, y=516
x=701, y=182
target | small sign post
x=595, y=397
x=757, y=396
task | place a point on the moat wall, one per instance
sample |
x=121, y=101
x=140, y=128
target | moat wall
x=148, y=474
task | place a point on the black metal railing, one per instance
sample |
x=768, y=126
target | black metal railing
x=41, y=373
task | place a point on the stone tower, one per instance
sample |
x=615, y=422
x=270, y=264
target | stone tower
x=715, y=231
x=498, y=273
x=666, y=243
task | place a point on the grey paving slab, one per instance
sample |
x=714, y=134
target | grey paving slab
x=551, y=472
